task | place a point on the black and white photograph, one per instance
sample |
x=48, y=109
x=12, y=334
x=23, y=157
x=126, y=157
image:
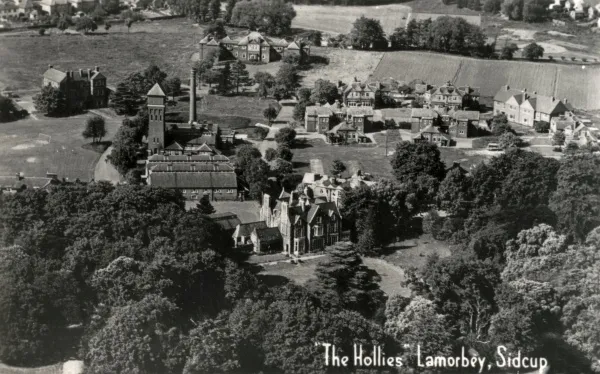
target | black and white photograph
x=299, y=186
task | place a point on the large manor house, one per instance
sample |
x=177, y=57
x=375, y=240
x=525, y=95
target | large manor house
x=253, y=47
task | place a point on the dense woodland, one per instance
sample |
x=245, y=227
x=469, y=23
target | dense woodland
x=127, y=279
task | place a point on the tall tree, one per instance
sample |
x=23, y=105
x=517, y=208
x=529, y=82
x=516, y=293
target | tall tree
x=287, y=77
x=229, y=10
x=173, y=86
x=367, y=33
x=239, y=75
x=324, y=92
x=286, y=136
x=273, y=17
x=576, y=201
x=270, y=114
x=454, y=192
x=225, y=79
x=50, y=101
x=94, y=128
x=412, y=160
x=533, y=51
x=344, y=281
x=204, y=205
x=265, y=82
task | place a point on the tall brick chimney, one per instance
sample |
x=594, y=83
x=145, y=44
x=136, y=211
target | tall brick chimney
x=192, y=96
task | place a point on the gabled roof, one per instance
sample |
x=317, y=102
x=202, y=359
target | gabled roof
x=156, y=90
x=245, y=229
x=293, y=45
x=470, y=115
x=228, y=220
x=174, y=147
x=506, y=93
x=205, y=148
x=55, y=75
x=316, y=110
x=190, y=167
x=25, y=182
x=205, y=39
x=329, y=208
x=194, y=180
x=98, y=75
x=213, y=42
x=268, y=235
x=424, y=113
x=183, y=158
x=226, y=39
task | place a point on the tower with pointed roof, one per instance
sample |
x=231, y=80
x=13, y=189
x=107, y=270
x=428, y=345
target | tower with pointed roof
x=156, y=119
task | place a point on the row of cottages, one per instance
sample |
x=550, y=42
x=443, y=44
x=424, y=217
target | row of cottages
x=186, y=156
x=83, y=88
x=525, y=108
x=390, y=92
x=306, y=224
x=253, y=47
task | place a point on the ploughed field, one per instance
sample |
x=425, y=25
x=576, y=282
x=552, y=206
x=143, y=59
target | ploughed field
x=579, y=85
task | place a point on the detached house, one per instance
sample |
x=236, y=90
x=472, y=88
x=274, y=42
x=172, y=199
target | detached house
x=254, y=47
x=361, y=94
x=526, y=108
x=452, y=97
x=84, y=88
x=463, y=123
x=435, y=135
x=306, y=225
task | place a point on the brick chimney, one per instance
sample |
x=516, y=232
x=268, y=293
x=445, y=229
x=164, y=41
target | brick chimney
x=50, y=66
x=96, y=68
x=19, y=176
x=81, y=73
x=89, y=71
x=192, y=96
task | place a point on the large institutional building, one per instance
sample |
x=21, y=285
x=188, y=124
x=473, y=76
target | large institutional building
x=253, y=48
x=83, y=88
x=187, y=156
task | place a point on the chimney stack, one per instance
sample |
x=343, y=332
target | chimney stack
x=50, y=66
x=96, y=68
x=89, y=71
x=81, y=73
x=192, y=96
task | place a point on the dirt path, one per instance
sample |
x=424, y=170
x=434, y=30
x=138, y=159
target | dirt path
x=105, y=171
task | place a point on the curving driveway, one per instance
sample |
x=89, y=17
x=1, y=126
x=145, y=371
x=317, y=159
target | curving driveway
x=105, y=171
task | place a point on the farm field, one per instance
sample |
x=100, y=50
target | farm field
x=339, y=19
x=577, y=84
x=167, y=43
x=58, y=148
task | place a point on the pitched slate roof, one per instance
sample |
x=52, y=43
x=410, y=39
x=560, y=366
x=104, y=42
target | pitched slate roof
x=55, y=75
x=293, y=45
x=315, y=110
x=174, y=147
x=359, y=111
x=194, y=180
x=506, y=93
x=328, y=208
x=396, y=113
x=205, y=39
x=190, y=167
x=228, y=220
x=212, y=42
x=424, y=113
x=447, y=89
x=184, y=158
x=268, y=235
x=245, y=229
x=470, y=115
x=539, y=103
x=156, y=90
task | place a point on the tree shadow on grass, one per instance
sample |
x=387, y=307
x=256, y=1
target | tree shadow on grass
x=300, y=164
x=272, y=280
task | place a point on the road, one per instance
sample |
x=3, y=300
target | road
x=105, y=171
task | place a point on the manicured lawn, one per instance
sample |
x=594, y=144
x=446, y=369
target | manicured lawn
x=229, y=111
x=371, y=158
x=391, y=275
x=414, y=252
x=58, y=149
x=247, y=211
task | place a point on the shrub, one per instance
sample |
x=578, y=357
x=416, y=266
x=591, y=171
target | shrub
x=260, y=133
x=584, y=59
x=270, y=154
x=432, y=223
x=563, y=58
x=541, y=127
x=42, y=31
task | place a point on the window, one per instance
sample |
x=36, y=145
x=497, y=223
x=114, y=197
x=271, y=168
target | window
x=461, y=131
x=183, y=191
x=243, y=55
x=264, y=57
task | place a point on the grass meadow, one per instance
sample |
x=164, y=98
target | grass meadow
x=58, y=149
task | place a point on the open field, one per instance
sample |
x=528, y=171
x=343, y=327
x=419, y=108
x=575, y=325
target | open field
x=577, y=84
x=368, y=158
x=229, y=111
x=23, y=149
x=414, y=252
x=339, y=19
x=167, y=43
x=344, y=65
